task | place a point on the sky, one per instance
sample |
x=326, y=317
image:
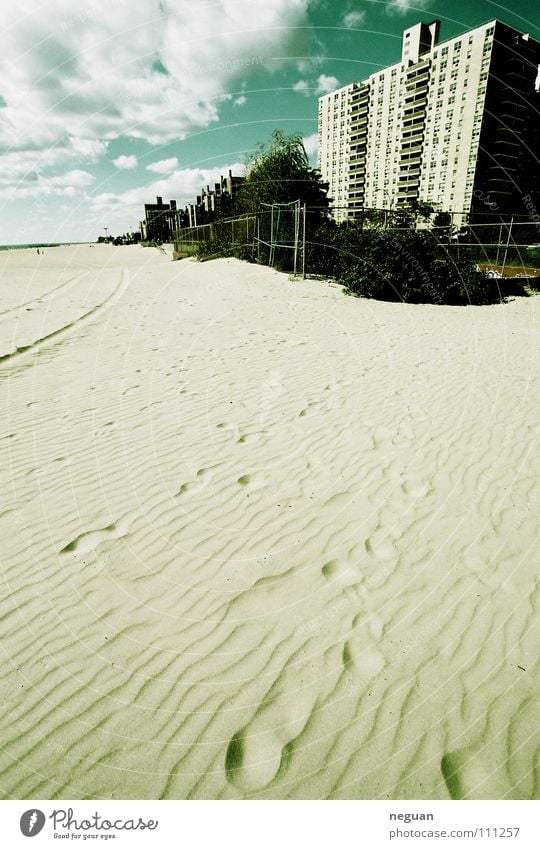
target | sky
x=107, y=104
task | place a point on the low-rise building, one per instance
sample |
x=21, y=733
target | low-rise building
x=159, y=221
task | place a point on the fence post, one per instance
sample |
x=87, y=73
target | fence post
x=499, y=244
x=296, y=233
x=304, y=245
x=507, y=244
x=271, y=235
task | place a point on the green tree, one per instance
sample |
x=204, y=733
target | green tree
x=281, y=173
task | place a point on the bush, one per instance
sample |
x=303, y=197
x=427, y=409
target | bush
x=323, y=249
x=408, y=266
x=213, y=248
x=388, y=266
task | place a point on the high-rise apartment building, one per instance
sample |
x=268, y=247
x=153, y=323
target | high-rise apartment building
x=455, y=124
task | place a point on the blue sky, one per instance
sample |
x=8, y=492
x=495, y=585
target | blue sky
x=106, y=105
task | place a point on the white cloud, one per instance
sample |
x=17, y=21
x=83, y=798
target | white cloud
x=60, y=185
x=402, y=7
x=164, y=166
x=354, y=19
x=18, y=164
x=302, y=86
x=310, y=65
x=183, y=186
x=326, y=83
x=154, y=70
x=241, y=101
x=311, y=144
x=323, y=85
x=90, y=149
x=76, y=178
x=125, y=163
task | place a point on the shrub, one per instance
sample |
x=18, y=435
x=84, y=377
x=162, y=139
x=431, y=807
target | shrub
x=213, y=248
x=388, y=266
x=408, y=266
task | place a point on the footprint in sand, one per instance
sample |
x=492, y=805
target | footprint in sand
x=131, y=389
x=203, y=480
x=339, y=572
x=380, y=547
x=310, y=410
x=256, y=754
x=362, y=659
x=89, y=540
x=371, y=621
x=253, y=482
x=251, y=438
x=231, y=428
x=470, y=774
x=415, y=487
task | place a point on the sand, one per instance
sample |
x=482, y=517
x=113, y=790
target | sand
x=262, y=540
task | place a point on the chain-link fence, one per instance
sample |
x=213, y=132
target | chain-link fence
x=273, y=236
x=503, y=244
x=293, y=238
x=280, y=236
x=220, y=237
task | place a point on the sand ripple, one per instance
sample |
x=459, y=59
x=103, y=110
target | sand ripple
x=262, y=540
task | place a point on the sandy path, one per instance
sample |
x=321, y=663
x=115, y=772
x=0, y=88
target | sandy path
x=260, y=539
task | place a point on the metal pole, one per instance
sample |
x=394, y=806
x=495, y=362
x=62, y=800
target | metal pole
x=296, y=233
x=507, y=244
x=499, y=245
x=270, y=258
x=304, y=245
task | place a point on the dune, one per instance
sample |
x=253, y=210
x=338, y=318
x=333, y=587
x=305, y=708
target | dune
x=261, y=540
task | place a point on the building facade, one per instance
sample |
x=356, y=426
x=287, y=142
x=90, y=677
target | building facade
x=158, y=223
x=211, y=203
x=454, y=124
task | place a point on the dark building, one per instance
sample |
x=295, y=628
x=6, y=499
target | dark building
x=158, y=224
x=507, y=169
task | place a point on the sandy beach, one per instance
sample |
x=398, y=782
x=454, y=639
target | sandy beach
x=260, y=539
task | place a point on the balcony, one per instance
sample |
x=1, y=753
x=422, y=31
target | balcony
x=409, y=176
x=416, y=92
x=357, y=111
x=412, y=146
x=415, y=123
x=418, y=110
x=358, y=131
x=410, y=168
x=406, y=195
x=420, y=68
